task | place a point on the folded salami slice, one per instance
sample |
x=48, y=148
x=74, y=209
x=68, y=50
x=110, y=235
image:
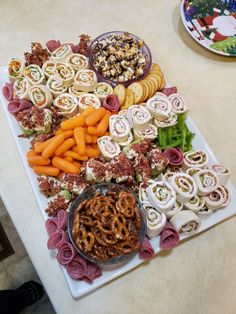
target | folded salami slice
x=51, y=226
x=62, y=218
x=17, y=105
x=146, y=251
x=111, y=102
x=174, y=155
x=66, y=253
x=57, y=239
x=53, y=45
x=92, y=272
x=169, y=237
x=77, y=267
x=169, y=90
x=8, y=91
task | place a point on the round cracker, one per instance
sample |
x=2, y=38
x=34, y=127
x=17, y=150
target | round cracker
x=138, y=91
x=120, y=92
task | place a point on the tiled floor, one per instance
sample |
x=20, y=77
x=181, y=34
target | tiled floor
x=17, y=268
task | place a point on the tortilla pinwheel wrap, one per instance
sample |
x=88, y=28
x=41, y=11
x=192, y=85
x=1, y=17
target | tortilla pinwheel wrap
x=85, y=80
x=184, y=185
x=195, y=159
x=61, y=53
x=87, y=100
x=40, y=96
x=65, y=72
x=178, y=103
x=186, y=222
x=159, y=107
x=196, y=203
x=108, y=148
x=162, y=196
x=34, y=74
x=77, y=61
x=49, y=68
x=155, y=221
x=103, y=90
x=149, y=132
x=222, y=172
x=66, y=104
x=206, y=181
x=56, y=86
x=15, y=69
x=139, y=117
x=119, y=128
x=21, y=88
x=218, y=198
x=178, y=206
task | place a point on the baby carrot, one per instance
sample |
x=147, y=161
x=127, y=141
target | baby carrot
x=64, y=165
x=87, y=112
x=38, y=161
x=31, y=152
x=88, y=138
x=50, y=149
x=95, y=116
x=65, y=146
x=94, y=141
x=46, y=170
x=67, y=134
x=72, y=123
x=39, y=146
x=75, y=155
x=78, y=165
x=104, y=123
x=58, y=132
x=92, y=152
x=92, y=130
x=68, y=158
x=79, y=136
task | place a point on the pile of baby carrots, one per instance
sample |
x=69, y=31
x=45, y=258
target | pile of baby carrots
x=75, y=141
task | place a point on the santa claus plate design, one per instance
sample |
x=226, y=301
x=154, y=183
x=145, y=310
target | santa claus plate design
x=212, y=23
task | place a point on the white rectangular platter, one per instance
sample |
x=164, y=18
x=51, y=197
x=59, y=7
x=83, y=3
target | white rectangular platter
x=80, y=288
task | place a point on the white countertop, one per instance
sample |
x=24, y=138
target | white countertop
x=199, y=276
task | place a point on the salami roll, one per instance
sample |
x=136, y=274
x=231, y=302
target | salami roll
x=65, y=72
x=92, y=272
x=66, y=253
x=66, y=104
x=178, y=103
x=149, y=132
x=49, y=68
x=206, y=181
x=127, y=141
x=155, y=221
x=77, y=61
x=186, y=222
x=169, y=121
x=103, y=90
x=17, y=105
x=196, y=203
x=108, y=148
x=169, y=237
x=77, y=267
x=15, y=69
x=222, y=173
x=218, y=198
x=53, y=45
x=40, y=96
x=56, y=86
x=51, y=226
x=62, y=217
x=178, y=206
x=174, y=155
x=61, y=53
x=119, y=128
x=195, y=159
x=21, y=88
x=57, y=239
x=85, y=80
x=34, y=74
x=169, y=91
x=159, y=107
x=162, y=196
x=88, y=100
x=8, y=91
x=184, y=185
x=146, y=251
x=111, y=103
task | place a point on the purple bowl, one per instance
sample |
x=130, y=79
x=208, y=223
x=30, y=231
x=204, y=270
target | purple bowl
x=112, y=82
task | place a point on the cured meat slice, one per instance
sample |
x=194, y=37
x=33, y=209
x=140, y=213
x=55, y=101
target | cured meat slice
x=111, y=102
x=169, y=90
x=8, y=91
x=62, y=217
x=57, y=239
x=92, y=272
x=51, y=226
x=174, y=155
x=146, y=250
x=169, y=237
x=66, y=253
x=77, y=267
x=17, y=105
x=53, y=45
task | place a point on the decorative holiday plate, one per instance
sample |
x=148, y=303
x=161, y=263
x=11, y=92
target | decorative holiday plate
x=212, y=23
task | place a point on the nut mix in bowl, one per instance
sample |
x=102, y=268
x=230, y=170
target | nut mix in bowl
x=120, y=57
x=107, y=224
